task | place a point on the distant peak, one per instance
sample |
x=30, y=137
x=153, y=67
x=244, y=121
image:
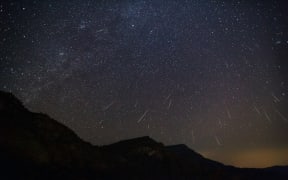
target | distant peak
x=143, y=138
x=140, y=139
x=137, y=142
x=182, y=146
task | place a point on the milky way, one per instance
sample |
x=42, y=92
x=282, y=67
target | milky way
x=209, y=74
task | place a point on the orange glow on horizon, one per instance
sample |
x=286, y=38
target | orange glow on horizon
x=251, y=158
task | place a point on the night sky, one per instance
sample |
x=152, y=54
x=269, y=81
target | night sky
x=210, y=74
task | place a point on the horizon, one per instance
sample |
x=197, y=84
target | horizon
x=237, y=157
x=209, y=74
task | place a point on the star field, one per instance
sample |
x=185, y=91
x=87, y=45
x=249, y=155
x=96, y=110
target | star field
x=209, y=74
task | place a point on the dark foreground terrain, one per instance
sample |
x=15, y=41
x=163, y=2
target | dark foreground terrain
x=34, y=146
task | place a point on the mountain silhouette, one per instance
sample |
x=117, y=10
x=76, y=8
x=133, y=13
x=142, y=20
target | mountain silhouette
x=34, y=146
